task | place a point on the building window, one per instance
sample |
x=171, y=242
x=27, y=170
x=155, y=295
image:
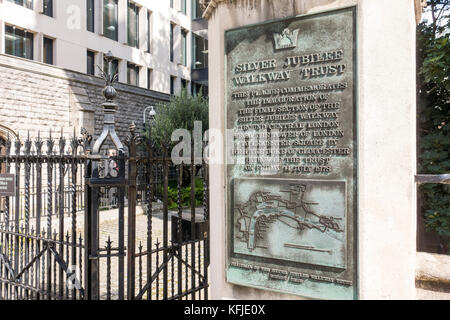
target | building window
x=172, y=30
x=90, y=15
x=133, y=25
x=24, y=3
x=171, y=3
x=183, y=6
x=149, y=31
x=200, y=52
x=90, y=60
x=18, y=42
x=110, y=18
x=48, y=51
x=149, y=78
x=48, y=8
x=133, y=74
x=184, y=84
x=172, y=85
x=196, y=88
x=184, y=47
x=114, y=66
x=196, y=10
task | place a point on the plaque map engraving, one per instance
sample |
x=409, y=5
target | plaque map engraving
x=302, y=221
x=291, y=155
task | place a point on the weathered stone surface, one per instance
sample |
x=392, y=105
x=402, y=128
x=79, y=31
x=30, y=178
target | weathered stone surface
x=422, y=294
x=290, y=6
x=433, y=271
x=433, y=265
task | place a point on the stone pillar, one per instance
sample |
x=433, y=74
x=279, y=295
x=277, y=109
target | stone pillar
x=38, y=47
x=123, y=21
x=387, y=133
x=143, y=36
x=386, y=149
x=98, y=62
x=123, y=74
x=143, y=77
x=98, y=17
x=39, y=6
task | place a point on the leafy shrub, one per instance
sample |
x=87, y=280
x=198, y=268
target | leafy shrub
x=172, y=194
x=434, y=119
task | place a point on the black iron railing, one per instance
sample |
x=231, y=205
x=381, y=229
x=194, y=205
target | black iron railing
x=58, y=242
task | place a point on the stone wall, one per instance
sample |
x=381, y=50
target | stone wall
x=37, y=97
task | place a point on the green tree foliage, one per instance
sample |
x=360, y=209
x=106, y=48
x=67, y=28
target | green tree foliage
x=172, y=195
x=434, y=115
x=179, y=113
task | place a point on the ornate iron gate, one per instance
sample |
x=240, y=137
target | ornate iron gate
x=41, y=255
x=85, y=252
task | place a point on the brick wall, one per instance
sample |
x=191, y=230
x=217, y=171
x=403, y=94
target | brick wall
x=35, y=96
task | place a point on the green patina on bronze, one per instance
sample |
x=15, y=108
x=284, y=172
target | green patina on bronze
x=291, y=222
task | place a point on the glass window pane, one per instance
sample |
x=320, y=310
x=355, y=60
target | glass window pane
x=149, y=79
x=200, y=52
x=196, y=10
x=18, y=42
x=48, y=8
x=133, y=74
x=133, y=25
x=24, y=3
x=90, y=15
x=183, y=6
x=90, y=62
x=172, y=85
x=10, y=40
x=172, y=27
x=48, y=51
x=184, y=47
x=110, y=18
x=205, y=52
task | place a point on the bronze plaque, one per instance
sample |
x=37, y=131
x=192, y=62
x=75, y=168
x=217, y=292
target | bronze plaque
x=7, y=185
x=291, y=155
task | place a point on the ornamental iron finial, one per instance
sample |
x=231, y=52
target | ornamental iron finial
x=85, y=141
x=109, y=92
x=109, y=108
x=28, y=144
x=38, y=143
